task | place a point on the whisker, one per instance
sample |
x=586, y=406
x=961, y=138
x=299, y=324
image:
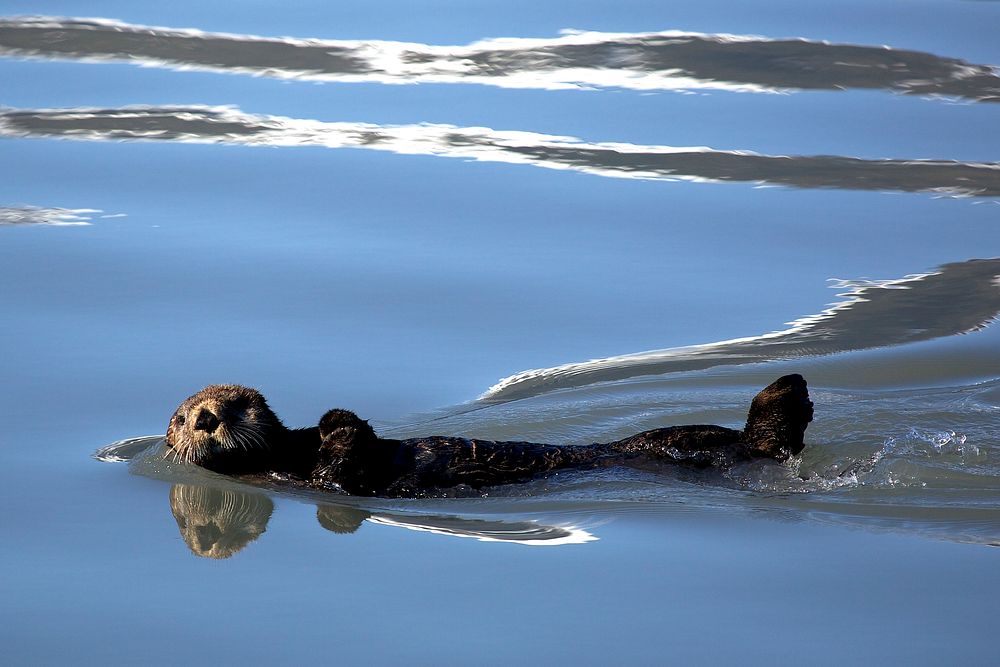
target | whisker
x=233, y=439
x=240, y=440
x=258, y=438
x=252, y=436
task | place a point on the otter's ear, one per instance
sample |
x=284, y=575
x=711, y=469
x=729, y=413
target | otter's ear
x=171, y=427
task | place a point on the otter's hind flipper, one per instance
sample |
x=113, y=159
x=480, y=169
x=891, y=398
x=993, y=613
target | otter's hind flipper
x=778, y=418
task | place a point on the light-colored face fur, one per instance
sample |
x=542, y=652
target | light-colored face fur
x=220, y=420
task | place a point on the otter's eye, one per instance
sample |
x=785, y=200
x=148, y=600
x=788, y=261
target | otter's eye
x=180, y=420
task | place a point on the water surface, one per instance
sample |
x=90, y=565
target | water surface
x=563, y=223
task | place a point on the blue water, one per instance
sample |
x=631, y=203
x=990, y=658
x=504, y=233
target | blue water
x=545, y=249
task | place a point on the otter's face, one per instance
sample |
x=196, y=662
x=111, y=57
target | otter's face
x=221, y=425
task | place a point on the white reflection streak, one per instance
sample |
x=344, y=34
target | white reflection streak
x=122, y=451
x=643, y=61
x=393, y=62
x=202, y=124
x=478, y=143
x=859, y=291
x=572, y=534
x=52, y=216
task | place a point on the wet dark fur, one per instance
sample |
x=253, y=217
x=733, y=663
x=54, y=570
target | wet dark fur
x=230, y=429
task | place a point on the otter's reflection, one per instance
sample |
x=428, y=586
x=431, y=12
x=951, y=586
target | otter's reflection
x=219, y=522
x=670, y=60
x=228, y=125
x=340, y=518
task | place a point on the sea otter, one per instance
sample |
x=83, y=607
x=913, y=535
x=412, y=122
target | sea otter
x=231, y=430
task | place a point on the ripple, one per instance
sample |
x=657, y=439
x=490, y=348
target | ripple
x=955, y=299
x=125, y=450
x=667, y=60
x=228, y=125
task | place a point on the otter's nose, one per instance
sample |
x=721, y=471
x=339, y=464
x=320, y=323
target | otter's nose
x=206, y=421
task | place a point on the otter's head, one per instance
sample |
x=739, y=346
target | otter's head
x=224, y=427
